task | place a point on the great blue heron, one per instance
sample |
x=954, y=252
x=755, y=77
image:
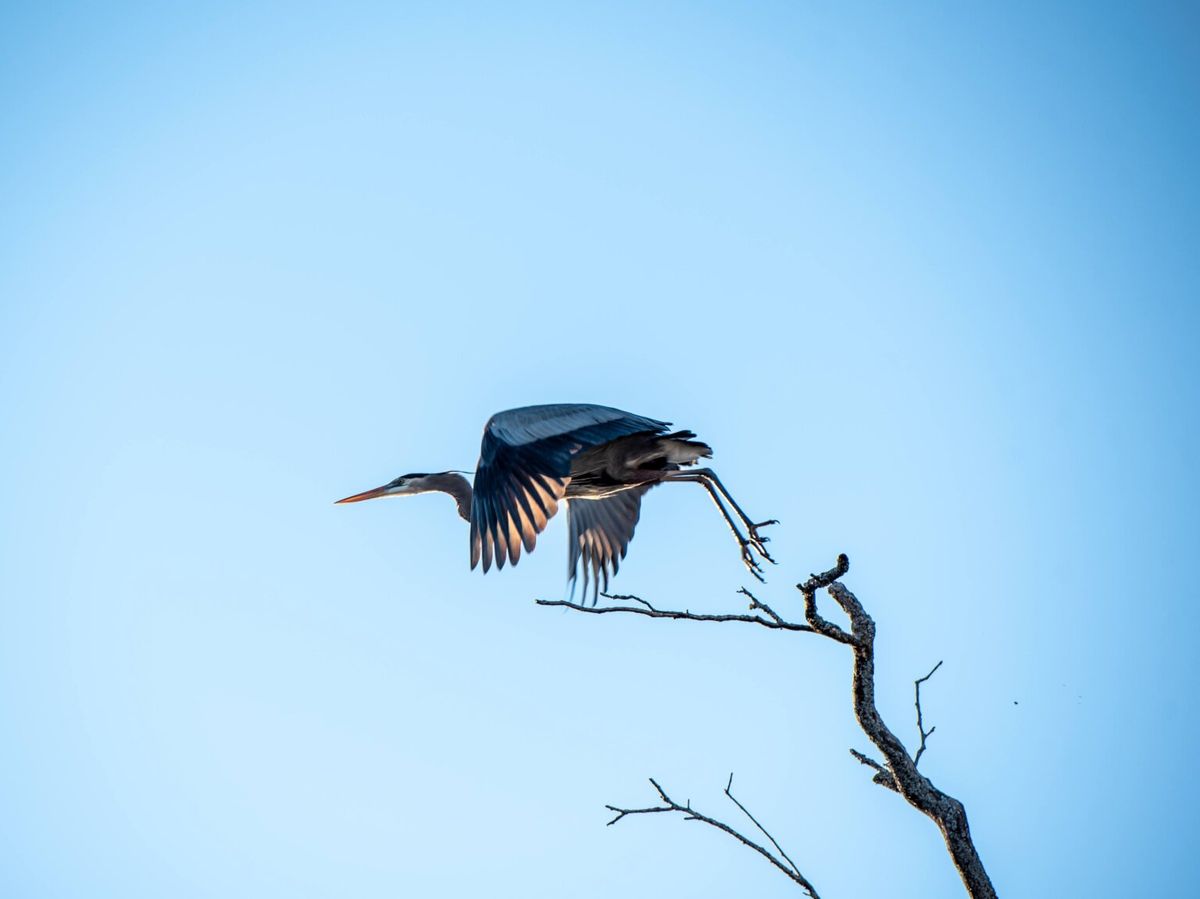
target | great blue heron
x=600, y=460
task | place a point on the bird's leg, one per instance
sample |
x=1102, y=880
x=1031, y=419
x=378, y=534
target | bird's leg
x=744, y=543
x=751, y=527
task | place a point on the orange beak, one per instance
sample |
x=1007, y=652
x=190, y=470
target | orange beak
x=369, y=494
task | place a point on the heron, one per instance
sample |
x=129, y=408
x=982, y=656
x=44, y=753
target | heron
x=601, y=461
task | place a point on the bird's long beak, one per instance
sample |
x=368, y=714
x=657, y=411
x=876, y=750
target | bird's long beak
x=385, y=490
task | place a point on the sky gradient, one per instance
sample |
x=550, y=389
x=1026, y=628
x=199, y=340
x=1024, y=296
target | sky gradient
x=926, y=279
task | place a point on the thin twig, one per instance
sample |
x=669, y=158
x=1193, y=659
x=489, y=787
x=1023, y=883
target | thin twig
x=756, y=603
x=690, y=814
x=920, y=724
x=629, y=597
x=746, y=812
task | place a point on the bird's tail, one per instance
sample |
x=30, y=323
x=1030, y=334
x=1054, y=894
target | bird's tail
x=682, y=449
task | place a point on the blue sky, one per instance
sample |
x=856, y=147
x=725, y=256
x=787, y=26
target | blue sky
x=924, y=278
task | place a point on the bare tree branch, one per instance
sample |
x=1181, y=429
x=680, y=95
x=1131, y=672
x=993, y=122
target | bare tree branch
x=650, y=612
x=898, y=771
x=918, y=791
x=765, y=832
x=756, y=604
x=925, y=734
x=810, y=587
x=628, y=597
x=690, y=814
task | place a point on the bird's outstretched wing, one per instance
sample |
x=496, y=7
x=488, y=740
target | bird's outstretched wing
x=525, y=466
x=600, y=531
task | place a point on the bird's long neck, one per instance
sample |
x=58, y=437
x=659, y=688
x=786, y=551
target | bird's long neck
x=457, y=486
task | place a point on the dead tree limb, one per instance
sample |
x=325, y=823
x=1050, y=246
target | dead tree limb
x=650, y=612
x=898, y=770
x=781, y=861
x=918, y=791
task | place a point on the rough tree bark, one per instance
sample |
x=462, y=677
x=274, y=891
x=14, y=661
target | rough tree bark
x=897, y=772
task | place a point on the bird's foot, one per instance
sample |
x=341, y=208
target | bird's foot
x=750, y=562
x=757, y=540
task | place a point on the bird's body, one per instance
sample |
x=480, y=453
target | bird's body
x=599, y=460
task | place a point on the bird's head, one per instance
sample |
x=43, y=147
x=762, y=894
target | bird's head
x=405, y=485
x=451, y=482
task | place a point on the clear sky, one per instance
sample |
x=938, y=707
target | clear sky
x=925, y=278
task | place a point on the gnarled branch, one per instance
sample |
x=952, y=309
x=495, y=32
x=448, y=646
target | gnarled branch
x=946, y=811
x=809, y=589
x=898, y=771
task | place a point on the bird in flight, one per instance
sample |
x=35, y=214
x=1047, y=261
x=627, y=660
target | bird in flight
x=600, y=460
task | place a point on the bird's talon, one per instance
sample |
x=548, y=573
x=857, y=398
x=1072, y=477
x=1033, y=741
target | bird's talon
x=748, y=559
x=758, y=543
x=754, y=569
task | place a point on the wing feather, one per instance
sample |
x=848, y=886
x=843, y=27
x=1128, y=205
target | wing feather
x=479, y=513
x=476, y=542
x=525, y=520
x=524, y=469
x=513, y=530
x=600, y=531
